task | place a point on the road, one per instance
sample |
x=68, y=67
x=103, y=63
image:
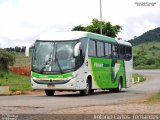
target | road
x=41, y=104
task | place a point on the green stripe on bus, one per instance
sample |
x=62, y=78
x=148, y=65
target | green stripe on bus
x=66, y=75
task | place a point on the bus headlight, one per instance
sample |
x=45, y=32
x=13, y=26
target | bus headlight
x=74, y=75
x=34, y=78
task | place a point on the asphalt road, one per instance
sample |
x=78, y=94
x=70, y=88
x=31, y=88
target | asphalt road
x=41, y=104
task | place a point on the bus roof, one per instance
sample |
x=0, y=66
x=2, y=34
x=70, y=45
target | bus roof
x=58, y=36
x=122, y=42
x=75, y=35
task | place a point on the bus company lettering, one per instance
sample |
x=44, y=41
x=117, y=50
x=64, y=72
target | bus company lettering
x=98, y=64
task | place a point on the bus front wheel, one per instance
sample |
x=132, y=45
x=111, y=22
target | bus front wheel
x=49, y=92
x=87, y=90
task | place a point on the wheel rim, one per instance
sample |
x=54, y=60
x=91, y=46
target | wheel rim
x=87, y=89
x=120, y=86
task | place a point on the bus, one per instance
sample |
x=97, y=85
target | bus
x=80, y=61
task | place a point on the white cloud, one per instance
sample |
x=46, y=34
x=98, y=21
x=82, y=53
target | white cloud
x=22, y=20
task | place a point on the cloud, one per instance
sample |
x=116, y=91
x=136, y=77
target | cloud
x=23, y=20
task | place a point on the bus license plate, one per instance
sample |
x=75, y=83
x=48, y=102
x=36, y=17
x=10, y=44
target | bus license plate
x=50, y=85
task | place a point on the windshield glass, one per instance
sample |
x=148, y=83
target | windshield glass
x=53, y=57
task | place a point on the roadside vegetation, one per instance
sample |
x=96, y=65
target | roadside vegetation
x=6, y=58
x=15, y=82
x=138, y=78
x=155, y=98
x=146, y=56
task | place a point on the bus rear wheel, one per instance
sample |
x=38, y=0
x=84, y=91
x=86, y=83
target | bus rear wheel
x=119, y=88
x=49, y=92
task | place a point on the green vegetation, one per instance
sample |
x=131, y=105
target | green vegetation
x=107, y=28
x=15, y=82
x=154, y=99
x=6, y=59
x=138, y=76
x=146, y=56
x=150, y=36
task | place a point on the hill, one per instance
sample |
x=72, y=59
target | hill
x=146, y=55
x=149, y=36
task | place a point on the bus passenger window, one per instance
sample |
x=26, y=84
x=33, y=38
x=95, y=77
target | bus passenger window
x=108, y=53
x=92, y=48
x=122, y=52
x=114, y=51
x=128, y=55
x=100, y=49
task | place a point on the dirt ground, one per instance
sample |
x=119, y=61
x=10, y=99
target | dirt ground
x=127, y=108
x=140, y=106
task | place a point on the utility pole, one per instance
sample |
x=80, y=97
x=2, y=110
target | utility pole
x=100, y=17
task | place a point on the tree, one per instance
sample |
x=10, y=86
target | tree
x=79, y=28
x=18, y=49
x=6, y=59
x=107, y=28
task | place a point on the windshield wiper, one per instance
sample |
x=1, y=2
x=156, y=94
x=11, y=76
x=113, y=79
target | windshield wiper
x=56, y=59
x=47, y=63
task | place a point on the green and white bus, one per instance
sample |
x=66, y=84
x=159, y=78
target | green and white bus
x=80, y=61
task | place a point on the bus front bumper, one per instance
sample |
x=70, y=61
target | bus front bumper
x=72, y=84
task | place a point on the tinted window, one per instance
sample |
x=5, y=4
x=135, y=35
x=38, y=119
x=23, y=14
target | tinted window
x=122, y=51
x=108, y=50
x=128, y=55
x=114, y=50
x=92, y=48
x=100, y=49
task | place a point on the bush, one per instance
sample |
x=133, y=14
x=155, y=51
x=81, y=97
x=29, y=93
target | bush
x=2, y=74
x=139, y=60
x=6, y=59
x=150, y=61
x=157, y=62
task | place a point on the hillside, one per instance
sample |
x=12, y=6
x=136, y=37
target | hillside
x=149, y=36
x=146, y=55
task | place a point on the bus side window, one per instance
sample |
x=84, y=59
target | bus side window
x=114, y=51
x=92, y=48
x=122, y=52
x=128, y=54
x=108, y=53
x=100, y=49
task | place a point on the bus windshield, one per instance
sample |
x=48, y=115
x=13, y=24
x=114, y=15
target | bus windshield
x=53, y=57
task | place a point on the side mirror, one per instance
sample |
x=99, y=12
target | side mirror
x=76, y=49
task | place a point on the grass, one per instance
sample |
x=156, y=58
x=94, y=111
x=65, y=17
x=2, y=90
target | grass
x=15, y=82
x=154, y=99
x=145, y=67
x=22, y=60
x=138, y=76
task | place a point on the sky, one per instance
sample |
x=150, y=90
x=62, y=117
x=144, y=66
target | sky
x=22, y=21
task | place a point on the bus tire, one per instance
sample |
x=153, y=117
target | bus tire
x=91, y=91
x=119, y=87
x=87, y=90
x=49, y=92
